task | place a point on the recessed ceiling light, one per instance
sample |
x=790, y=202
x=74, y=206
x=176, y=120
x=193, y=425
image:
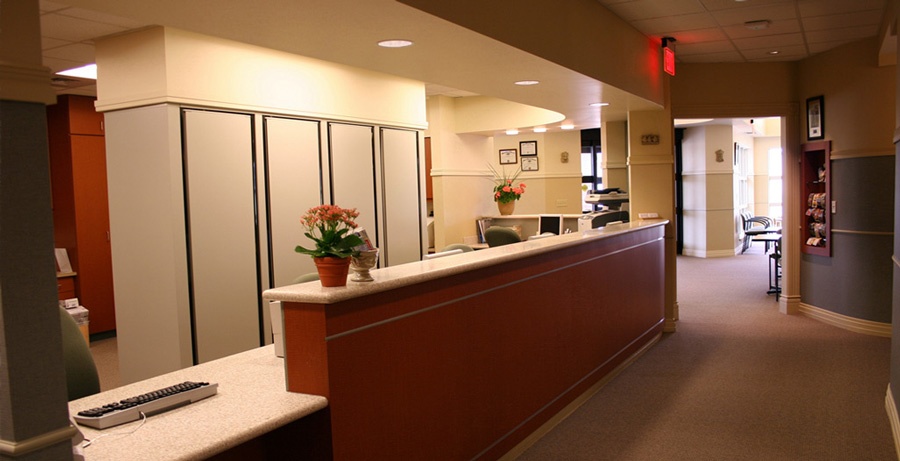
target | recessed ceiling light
x=567, y=126
x=774, y=52
x=540, y=129
x=512, y=132
x=394, y=43
x=599, y=104
x=88, y=71
x=527, y=82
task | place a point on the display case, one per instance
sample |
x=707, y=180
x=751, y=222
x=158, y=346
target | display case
x=815, y=175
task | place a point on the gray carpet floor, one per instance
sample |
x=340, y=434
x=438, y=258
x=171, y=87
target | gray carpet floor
x=737, y=381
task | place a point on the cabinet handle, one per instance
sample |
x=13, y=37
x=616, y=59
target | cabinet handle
x=101, y=126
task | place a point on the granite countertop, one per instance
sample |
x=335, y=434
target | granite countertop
x=390, y=278
x=251, y=400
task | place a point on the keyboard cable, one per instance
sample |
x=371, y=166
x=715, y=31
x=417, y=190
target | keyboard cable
x=88, y=442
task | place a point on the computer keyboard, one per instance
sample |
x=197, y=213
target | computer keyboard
x=151, y=403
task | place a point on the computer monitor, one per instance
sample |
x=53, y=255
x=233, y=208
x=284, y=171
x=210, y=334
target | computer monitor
x=552, y=223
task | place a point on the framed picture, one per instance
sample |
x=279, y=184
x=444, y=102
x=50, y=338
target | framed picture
x=528, y=148
x=815, y=118
x=508, y=156
x=529, y=164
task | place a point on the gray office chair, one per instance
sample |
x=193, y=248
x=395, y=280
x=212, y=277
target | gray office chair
x=82, y=378
x=458, y=246
x=498, y=236
x=306, y=278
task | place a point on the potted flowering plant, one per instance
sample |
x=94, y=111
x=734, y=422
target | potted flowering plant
x=329, y=227
x=506, y=192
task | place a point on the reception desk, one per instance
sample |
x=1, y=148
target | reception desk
x=465, y=356
x=250, y=417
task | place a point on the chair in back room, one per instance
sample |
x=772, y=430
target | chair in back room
x=499, y=236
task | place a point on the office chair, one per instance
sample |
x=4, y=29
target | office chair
x=498, y=236
x=754, y=225
x=458, y=246
x=82, y=378
x=306, y=278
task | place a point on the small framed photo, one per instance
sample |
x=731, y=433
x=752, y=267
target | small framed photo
x=528, y=148
x=815, y=118
x=508, y=157
x=529, y=164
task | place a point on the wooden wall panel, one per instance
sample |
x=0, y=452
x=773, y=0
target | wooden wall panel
x=467, y=366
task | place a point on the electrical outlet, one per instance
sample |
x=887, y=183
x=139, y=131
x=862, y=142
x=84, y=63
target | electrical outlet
x=562, y=203
x=648, y=215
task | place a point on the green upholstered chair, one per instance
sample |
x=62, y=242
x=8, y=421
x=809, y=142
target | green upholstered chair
x=458, y=246
x=306, y=278
x=498, y=236
x=82, y=378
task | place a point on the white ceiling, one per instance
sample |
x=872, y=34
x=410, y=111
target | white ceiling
x=453, y=60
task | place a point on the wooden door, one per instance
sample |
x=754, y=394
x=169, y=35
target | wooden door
x=94, y=256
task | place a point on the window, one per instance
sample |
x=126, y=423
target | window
x=743, y=169
x=776, y=207
x=591, y=174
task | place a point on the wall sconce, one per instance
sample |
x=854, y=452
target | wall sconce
x=564, y=157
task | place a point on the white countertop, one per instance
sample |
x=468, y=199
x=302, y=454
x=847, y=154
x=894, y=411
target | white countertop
x=251, y=401
x=390, y=278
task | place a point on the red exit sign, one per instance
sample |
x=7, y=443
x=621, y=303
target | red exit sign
x=669, y=61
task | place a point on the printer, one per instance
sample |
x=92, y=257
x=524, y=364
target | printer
x=600, y=219
x=612, y=199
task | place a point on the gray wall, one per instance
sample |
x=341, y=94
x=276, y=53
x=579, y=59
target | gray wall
x=856, y=280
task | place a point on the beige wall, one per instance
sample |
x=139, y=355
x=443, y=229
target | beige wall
x=709, y=192
x=462, y=180
x=160, y=65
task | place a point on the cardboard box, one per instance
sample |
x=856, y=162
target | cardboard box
x=80, y=314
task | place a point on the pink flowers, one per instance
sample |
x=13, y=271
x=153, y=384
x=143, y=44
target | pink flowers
x=329, y=226
x=504, y=190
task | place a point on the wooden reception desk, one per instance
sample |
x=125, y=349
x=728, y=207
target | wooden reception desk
x=463, y=357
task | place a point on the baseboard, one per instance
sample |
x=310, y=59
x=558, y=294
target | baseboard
x=867, y=327
x=891, y=409
x=708, y=254
x=545, y=428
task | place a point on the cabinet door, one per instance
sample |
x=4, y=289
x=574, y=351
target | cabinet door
x=93, y=253
x=294, y=178
x=222, y=240
x=402, y=204
x=352, y=158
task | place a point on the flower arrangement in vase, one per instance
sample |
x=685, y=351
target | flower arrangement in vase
x=329, y=227
x=506, y=192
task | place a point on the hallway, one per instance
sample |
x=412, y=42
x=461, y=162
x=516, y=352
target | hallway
x=737, y=381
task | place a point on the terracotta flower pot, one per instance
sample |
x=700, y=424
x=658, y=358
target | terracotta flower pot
x=506, y=208
x=332, y=271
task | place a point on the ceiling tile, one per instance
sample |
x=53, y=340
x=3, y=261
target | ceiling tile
x=675, y=23
x=698, y=36
x=74, y=29
x=861, y=18
x=48, y=6
x=787, y=26
x=81, y=52
x=785, y=53
x=842, y=34
x=819, y=47
x=48, y=43
x=809, y=8
x=770, y=42
x=103, y=18
x=718, y=5
x=732, y=56
x=721, y=46
x=647, y=9
x=742, y=15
